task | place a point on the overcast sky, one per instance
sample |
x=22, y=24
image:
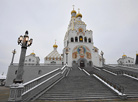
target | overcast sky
x=114, y=24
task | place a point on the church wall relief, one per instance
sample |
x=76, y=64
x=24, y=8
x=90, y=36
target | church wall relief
x=81, y=51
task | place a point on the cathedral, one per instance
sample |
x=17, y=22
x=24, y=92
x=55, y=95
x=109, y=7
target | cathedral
x=78, y=44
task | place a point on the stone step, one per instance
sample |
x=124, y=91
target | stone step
x=78, y=85
x=78, y=98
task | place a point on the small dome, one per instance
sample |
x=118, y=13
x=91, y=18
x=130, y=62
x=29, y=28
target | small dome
x=73, y=11
x=123, y=55
x=79, y=15
x=55, y=46
x=32, y=53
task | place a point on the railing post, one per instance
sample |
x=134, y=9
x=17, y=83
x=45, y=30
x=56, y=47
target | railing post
x=16, y=91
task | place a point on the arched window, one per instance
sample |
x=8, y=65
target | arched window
x=76, y=39
x=81, y=39
x=89, y=40
x=72, y=39
x=85, y=39
x=16, y=72
x=29, y=60
x=56, y=58
x=60, y=58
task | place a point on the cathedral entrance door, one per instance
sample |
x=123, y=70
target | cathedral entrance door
x=82, y=64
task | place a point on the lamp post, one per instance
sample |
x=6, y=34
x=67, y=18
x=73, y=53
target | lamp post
x=16, y=89
x=67, y=52
x=24, y=42
x=102, y=58
x=14, y=52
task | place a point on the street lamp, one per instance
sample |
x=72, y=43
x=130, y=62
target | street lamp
x=14, y=52
x=102, y=57
x=24, y=42
x=67, y=52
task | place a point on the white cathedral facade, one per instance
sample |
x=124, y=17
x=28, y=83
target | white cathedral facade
x=78, y=44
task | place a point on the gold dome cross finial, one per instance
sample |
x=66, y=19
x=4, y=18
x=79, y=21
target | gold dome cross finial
x=73, y=6
x=55, y=42
x=55, y=45
x=78, y=10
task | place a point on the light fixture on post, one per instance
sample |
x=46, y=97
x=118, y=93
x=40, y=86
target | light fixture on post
x=16, y=89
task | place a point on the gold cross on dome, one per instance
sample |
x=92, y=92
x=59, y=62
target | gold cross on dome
x=73, y=6
x=78, y=10
x=55, y=41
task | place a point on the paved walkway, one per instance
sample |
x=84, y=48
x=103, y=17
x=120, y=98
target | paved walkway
x=4, y=94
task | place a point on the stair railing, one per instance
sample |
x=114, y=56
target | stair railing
x=116, y=86
x=24, y=92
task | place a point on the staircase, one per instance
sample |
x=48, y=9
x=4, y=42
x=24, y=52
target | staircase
x=78, y=86
x=130, y=85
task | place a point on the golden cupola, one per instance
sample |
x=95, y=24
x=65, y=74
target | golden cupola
x=73, y=12
x=124, y=56
x=79, y=14
x=55, y=45
x=33, y=54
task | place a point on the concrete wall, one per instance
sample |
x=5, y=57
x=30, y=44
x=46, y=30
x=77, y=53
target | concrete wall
x=30, y=72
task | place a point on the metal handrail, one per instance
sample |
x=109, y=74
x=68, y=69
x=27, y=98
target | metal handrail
x=111, y=83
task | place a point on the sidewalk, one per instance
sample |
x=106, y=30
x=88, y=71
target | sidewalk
x=4, y=94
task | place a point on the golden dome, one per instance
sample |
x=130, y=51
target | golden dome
x=32, y=53
x=137, y=54
x=123, y=55
x=55, y=46
x=79, y=15
x=73, y=11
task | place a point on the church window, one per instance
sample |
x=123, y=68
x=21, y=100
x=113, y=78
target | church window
x=128, y=61
x=29, y=60
x=89, y=40
x=72, y=39
x=80, y=30
x=76, y=39
x=53, y=62
x=49, y=58
x=85, y=39
x=81, y=39
x=60, y=58
x=56, y=58
x=16, y=72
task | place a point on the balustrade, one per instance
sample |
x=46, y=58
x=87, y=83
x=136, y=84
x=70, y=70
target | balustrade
x=35, y=86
